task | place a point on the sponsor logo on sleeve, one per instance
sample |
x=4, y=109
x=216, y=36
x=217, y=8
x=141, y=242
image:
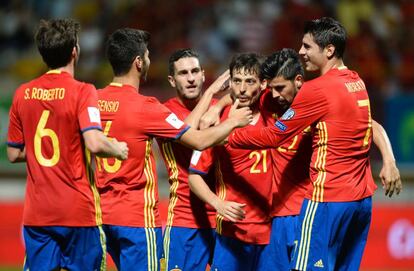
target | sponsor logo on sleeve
x=282, y=127
x=94, y=115
x=174, y=121
x=195, y=157
x=290, y=113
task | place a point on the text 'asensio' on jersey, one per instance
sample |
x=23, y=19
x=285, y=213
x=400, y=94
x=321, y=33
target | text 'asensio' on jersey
x=108, y=106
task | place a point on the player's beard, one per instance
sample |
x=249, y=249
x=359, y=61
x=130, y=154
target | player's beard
x=191, y=96
x=283, y=105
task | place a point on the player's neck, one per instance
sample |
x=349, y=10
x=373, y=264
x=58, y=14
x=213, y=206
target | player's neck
x=190, y=104
x=70, y=68
x=334, y=63
x=128, y=79
x=256, y=116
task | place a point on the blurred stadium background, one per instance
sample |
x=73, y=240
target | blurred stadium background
x=380, y=48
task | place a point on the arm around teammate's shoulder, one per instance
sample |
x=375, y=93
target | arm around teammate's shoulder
x=203, y=139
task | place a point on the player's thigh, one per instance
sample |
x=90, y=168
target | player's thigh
x=140, y=248
x=187, y=248
x=42, y=250
x=83, y=248
x=232, y=255
x=278, y=253
x=311, y=246
x=354, y=242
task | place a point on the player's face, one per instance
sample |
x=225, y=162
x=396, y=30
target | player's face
x=145, y=65
x=245, y=86
x=188, y=78
x=284, y=90
x=313, y=56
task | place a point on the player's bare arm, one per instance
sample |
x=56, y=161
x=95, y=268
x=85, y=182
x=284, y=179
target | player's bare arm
x=230, y=210
x=220, y=84
x=389, y=174
x=212, y=116
x=97, y=143
x=16, y=155
x=201, y=140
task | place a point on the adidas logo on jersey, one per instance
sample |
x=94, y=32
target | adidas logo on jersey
x=319, y=264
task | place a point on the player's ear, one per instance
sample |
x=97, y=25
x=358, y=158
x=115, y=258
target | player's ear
x=204, y=77
x=138, y=62
x=263, y=84
x=171, y=80
x=298, y=81
x=330, y=50
x=75, y=51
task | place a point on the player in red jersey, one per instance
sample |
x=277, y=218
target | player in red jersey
x=336, y=213
x=190, y=231
x=129, y=193
x=283, y=75
x=52, y=119
x=243, y=181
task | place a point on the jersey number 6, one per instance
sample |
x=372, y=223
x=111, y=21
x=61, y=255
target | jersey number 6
x=41, y=132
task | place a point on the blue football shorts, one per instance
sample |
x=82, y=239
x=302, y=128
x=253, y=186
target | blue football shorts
x=188, y=248
x=134, y=248
x=71, y=248
x=233, y=255
x=277, y=255
x=332, y=235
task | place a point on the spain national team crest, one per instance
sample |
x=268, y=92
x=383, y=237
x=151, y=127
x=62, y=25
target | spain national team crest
x=290, y=113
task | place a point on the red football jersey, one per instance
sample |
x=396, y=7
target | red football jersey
x=185, y=209
x=243, y=176
x=336, y=106
x=129, y=189
x=290, y=165
x=48, y=116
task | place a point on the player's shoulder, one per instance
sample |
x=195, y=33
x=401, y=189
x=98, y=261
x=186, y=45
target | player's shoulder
x=150, y=99
x=172, y=103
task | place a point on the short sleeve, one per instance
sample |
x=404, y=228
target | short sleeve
x=160, y=121
x=201, y=161
x=15, y=133
x=88, y=112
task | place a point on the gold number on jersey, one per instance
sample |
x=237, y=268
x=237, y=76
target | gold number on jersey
x=259, y=156
x=117, y=164
x=291, y=146
x=41, y=132
x=363, y=103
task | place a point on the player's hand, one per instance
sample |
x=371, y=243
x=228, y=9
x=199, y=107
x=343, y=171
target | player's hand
x=242, y=116
x=220, y=84
x=123, y=149
x=231, y=210
x=390, y=178
x=209, y=118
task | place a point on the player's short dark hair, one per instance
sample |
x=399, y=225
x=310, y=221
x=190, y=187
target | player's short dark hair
x=327, y=31
x=284, y=63
x=55, y=40
x=123, y=46
x=177, y=55
x=250, y=62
